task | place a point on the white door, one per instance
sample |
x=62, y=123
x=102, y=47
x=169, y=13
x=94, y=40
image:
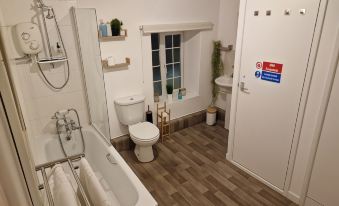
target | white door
x=276, y=46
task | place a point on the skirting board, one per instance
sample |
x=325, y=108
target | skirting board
x=124, y=142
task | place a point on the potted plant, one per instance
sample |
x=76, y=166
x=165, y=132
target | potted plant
x=217, y=71
x=116, y=25
x=169, y=89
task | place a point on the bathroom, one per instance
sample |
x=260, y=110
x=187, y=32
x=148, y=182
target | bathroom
x=76, y=101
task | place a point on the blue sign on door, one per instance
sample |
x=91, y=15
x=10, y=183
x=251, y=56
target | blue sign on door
x=270, y=76
x=257, y=74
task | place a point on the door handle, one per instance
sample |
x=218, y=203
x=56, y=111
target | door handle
x=242, y=87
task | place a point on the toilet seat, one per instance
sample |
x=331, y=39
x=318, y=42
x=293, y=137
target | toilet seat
x=144, y=132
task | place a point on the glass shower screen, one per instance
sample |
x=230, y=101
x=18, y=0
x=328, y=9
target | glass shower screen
x=85, y=21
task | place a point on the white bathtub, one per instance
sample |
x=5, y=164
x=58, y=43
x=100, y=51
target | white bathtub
x=125, y=185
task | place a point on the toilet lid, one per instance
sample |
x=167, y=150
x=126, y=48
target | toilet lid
x=144, y=131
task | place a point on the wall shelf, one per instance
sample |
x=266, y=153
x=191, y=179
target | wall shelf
x=113, y=38
x=227, y=49
x=116, y=66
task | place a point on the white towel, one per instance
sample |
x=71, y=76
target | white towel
x=61, y=188
x=93, y=189
x=3, y=199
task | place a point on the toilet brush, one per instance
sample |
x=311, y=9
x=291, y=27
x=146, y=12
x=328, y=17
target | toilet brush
x=149, y=116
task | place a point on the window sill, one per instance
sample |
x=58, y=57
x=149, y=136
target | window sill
x=189, y=95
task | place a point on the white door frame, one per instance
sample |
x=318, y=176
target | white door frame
x=304, y=97
x=323, y=108
x=19, y=136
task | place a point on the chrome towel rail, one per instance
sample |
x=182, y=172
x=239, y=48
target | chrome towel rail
x=62, y=160
x=69, y=160
x=47, y=188
x=76, y=177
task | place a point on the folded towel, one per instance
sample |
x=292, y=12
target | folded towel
x=61, y=188
x=3, y=199
x=93, y=189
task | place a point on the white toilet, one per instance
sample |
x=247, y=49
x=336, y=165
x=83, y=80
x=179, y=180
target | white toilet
x=131, y=112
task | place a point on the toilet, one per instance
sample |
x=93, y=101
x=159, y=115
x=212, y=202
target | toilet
x=131, y=111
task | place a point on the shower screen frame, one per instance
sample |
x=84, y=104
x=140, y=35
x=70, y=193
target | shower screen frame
x=95, y=96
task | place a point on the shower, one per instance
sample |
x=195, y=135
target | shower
x=52, y=59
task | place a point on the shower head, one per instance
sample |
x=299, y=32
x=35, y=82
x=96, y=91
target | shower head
x=50, y=13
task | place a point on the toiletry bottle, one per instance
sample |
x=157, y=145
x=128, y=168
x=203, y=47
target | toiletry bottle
x=109, y=29
x=59, y=50
x=179, y=95
x=102, y=28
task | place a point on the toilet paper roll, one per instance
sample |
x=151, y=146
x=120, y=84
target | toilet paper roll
x=110, y=61
x=120, y=60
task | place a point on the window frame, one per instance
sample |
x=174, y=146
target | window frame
x=163, y=63
x=155, y=66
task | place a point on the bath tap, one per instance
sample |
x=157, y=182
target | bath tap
x=65, y=122
x=74, y=126
x=65, y=125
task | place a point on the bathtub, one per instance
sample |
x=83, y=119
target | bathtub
x=110, y=167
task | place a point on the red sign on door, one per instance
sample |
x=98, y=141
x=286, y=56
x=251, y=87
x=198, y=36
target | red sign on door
x=272, y=67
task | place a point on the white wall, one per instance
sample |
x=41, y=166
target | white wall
x=39, y=102
x=228, y=24
x=138, y=77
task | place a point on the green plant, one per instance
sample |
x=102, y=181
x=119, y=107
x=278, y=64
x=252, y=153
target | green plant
x=217, y=68
x=169, y=89
x=116, y=25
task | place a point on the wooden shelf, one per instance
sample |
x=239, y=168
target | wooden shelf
x=227, y=49
x=117, y=66
x=113, y=38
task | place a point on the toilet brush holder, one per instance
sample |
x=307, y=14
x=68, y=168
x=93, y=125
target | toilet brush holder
x=211, y=116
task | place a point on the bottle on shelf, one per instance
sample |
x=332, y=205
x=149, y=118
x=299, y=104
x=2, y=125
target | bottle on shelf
x=102, y=28
x=109, y=29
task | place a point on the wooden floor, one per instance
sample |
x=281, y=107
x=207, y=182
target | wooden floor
x=191, y=169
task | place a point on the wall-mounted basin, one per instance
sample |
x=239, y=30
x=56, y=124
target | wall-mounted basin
x=224, y=81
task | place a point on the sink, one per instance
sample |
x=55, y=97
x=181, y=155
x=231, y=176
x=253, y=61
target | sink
x=224, y=81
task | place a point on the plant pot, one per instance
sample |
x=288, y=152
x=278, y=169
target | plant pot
x=169, y=98
x=116, y=32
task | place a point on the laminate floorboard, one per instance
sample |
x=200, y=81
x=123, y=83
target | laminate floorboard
x=191, y=169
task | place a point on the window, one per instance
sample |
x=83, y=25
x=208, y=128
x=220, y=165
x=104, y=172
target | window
x=167, y=61
x=157, y=84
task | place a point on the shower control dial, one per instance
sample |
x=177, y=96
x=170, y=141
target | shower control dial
x=25, y=36
x=34, y=45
